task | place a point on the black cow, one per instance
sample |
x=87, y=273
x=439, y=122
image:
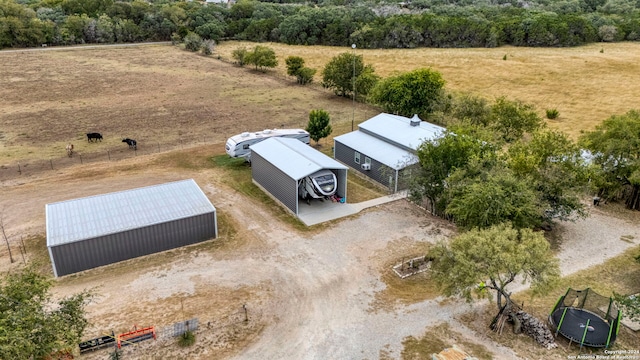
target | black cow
x=132, y=143
x=94, y=137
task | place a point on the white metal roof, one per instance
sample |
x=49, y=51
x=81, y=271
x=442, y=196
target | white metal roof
x=267, y=133
x=398, y=129
x=93, y=216
x=382, y=151
x=294, y=157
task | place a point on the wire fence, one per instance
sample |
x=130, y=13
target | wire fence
x=216, y=329
x=31, y=167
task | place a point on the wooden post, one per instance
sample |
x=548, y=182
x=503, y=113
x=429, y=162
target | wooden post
x=22, y=250
x=51, y=163
x=246, y=318
x=109, y=154
x=19, y=170
x=80, y=158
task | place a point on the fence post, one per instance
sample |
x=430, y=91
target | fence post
x=19, y=170
x=51, y=163
x=246, y=318
x=109, y=154
x=80, y=158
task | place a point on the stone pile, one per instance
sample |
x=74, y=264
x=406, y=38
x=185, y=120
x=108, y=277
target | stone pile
x=524, y=322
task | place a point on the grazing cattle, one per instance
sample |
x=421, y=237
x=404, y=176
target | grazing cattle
x=94, y=137
x=132, y=143
x=69, y=150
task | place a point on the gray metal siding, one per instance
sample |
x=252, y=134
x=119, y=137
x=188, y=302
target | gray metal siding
x=275, y=181
x=87, y=254
x=379, y=172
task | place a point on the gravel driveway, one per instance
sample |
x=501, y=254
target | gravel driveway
x=314, y=290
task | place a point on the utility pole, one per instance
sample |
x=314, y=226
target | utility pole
x=353, y=88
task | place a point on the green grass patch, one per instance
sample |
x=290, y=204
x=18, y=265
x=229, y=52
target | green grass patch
x=438, y=338
x=360, y=189
x=187, y=339
x=552, y=113
x=239, y=178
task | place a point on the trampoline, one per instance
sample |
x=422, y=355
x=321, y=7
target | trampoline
x=586, y=318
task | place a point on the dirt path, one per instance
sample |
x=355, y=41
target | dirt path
x=310, y=295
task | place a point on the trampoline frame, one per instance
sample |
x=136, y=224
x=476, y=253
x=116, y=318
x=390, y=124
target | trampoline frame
x=559, y=306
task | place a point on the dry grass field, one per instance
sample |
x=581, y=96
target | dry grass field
x=586, y=84
x=154, y=94
x=162, y=95
x=293, y=279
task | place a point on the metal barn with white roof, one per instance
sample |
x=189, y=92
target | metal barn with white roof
x=98, y=230
x=279, y=164
x=384, y=147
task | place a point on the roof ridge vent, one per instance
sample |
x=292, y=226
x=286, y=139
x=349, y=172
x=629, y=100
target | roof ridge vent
x=415, y=120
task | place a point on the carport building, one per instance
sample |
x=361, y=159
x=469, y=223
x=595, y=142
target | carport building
x=98, y=230
x=278, y=165
x=384, y=147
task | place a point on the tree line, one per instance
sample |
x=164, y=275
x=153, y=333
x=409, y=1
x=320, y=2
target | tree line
x=423, y=23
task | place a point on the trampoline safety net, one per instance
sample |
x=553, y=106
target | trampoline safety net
x=585, y=317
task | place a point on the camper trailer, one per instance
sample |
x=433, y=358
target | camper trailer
x=238, y=145
x=319, y=185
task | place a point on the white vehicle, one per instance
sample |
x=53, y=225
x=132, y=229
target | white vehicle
x=321, y=184
x=238, y=145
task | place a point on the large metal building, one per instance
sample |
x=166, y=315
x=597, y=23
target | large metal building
x=279, y=164
x=384, y=147
x=98, y=230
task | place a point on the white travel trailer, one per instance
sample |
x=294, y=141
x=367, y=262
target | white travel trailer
x=319, y=185
x=238, y=145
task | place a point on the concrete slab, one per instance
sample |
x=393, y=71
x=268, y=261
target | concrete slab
x=322, y=211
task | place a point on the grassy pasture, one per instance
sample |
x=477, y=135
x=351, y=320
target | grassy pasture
x=148, y=93
x=586, y=84
x=161, y=94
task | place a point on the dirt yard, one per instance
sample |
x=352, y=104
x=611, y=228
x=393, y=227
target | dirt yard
x=319, y=293
x=312, y=294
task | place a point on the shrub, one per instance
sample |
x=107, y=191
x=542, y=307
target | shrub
x=207, y=47
x=192, y=42
x=175, y=39
x=305, y=75
x=552, y=114
x=239, y=55
x=187, y=339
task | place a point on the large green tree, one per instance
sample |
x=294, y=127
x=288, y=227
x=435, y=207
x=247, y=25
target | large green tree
x=482, y=195
x=513, y=119
x=262, y=57
x=32, y=326
x=438, y=159
x=615, y=145
x=491, y=259
x=552, y=162
x=414, y=92
x=319, y=125
x=346, y=73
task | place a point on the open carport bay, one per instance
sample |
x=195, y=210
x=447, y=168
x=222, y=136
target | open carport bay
x=319, y=211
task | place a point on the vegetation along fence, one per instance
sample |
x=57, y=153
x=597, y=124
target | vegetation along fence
x=30, y=167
